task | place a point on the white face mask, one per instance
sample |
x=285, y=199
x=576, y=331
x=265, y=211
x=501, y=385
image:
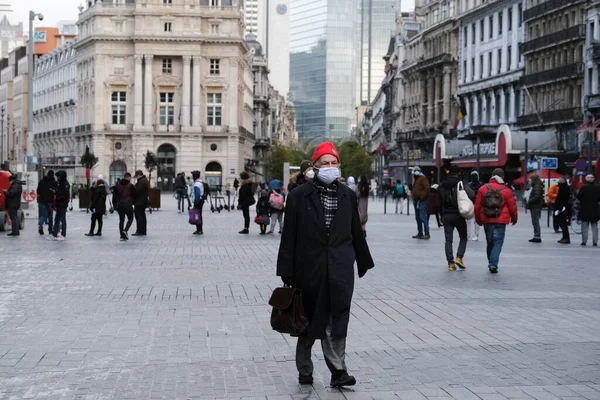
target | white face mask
x=310, y=174
x=328, y=175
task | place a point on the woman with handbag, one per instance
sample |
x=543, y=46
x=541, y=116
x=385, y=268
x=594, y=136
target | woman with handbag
x=246, y=200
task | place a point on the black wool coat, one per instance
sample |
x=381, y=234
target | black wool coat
x=322, y=264
x=589, y=198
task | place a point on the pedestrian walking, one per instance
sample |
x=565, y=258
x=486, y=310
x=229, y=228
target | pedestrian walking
x=472, y=226
x=420, y=194
x=200, y=196
x=535, y=203
x=322, y=239
x=362, y=194
x=495, y=207
x=562, y=209
x=123, y=202
x=263, y=209
x=277, y=204
x=589, y=209
x=61, y=204
x=551, y=200
x=351, y=183
x=246, y=200
x=12, y=198
x=452, y=219
x=190, y=188
x=97, y=207
x=305, y=174
x=45, y=198
x=181, y=192
x=400, y=196
x=140, y=198
x=433, y=206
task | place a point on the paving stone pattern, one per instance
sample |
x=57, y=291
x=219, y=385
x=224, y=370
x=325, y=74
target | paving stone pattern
x=177, y=316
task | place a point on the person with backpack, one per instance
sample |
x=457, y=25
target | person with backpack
x=562, y=209
x=535, y=203
x=263, y=208
x=200, y=195
x=61, y=204
x=472, y=227
x=399, y=196
x=495, y=207
x=245, y=200
x=452, y=219
x=277, y=204
x=97, y=207
x=123, y=202
x=420, y=194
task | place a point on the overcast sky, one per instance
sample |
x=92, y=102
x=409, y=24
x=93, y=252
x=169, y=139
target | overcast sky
x=53, y=11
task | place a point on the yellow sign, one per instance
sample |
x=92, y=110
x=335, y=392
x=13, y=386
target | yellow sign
x=411, y=154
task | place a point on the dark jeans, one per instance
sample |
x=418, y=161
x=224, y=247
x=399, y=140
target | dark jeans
x=125, y=211
x=141, y=223
x=199, y=207
x=536, y=215
x=14, y=220
x=421, y=217
x=437, y=219
x=98, y=218
x=563, y=223
x=181, y=195
x=60, y=222
x=246, y=212
x=46, y=212
x=494, y=234
x=452, y=221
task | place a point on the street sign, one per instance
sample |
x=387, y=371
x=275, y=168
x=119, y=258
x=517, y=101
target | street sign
x=550, y=163
x=533, y=165
x=581, y=164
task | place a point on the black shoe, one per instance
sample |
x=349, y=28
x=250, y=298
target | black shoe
x=14, y=234
x=305, y=379
x=139, y=234
x=98, y=234
x=418, y=237
x=494, y=270
x=426, y=237
x=341, y=378
x=564, y=241
x=41, y=231
x=583, y=244
x=595, y=245
x=536, y=240
x=244, y=232
x=90, y=234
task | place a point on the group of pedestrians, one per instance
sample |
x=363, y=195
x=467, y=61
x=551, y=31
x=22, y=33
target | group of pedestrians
x=53, y=197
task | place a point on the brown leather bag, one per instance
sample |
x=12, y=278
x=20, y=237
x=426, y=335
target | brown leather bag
x=288, y=314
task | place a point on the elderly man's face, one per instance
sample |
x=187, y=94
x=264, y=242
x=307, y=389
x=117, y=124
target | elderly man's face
x=328, y=161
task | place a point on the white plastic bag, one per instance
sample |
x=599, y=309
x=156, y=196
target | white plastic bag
x=465, y=205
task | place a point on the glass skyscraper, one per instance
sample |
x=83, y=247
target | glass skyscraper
x=325, y=60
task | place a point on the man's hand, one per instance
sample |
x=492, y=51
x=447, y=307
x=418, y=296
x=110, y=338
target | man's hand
x=287, y=280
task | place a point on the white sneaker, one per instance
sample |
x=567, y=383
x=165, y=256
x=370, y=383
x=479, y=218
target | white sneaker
x=475, y=239
x=51, y=238
x=60, y=239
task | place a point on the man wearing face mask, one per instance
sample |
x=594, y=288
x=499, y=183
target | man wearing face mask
x=322, y=238
x=305, y=174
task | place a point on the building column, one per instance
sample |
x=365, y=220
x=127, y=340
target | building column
x=466, y=121
x=436, y=97
x=446, y=104
x=594, y=79
x=502, y=119
x=185, y=102
x=512, y=112
x=137, y=86
x=196, y=92
x=504, y=60
x=148, y=92
x=515, y=40
x=430, y=99
x=476, y=117
x=492, y=108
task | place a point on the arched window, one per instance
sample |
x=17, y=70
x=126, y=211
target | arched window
x=116, y=171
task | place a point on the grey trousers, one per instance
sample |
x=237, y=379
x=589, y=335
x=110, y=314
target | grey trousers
x=536, y=214
x=334, y=350
x=276, y=217
x=585, y=226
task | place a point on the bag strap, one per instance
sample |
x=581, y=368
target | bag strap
x=460, y=186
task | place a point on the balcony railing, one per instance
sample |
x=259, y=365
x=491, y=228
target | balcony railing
x=560, y=73
x=550, y=117
x=572, y=33
x=546, y=7
x=430, y=62
x=592, y=101
x=594, y=50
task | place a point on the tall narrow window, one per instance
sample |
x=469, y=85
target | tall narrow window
x=214, y=29
x=119, y=66
x=167, y=65
x=481, y=30
x=464, y=71
x=480, y=66
x=520, y=8
x=491, y=26
x=166, y=108
x=119, y=26
x=473, y=36
x=592, y=31
x=490, y=63
x=472, y=69
x=167, y=27
x=465, y=40
x=510, y=19
x=119, y=107
x=509, y=50
x=500, y=20
x=499, y=60
x=215, y=66
x=214, y=109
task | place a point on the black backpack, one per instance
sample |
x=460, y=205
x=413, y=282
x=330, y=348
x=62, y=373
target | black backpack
x=205, y=191
x=450, y=198
x=492, y=202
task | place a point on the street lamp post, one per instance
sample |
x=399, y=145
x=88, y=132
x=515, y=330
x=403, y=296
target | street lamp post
x=30, y=71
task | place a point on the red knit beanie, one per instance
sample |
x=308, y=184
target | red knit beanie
x=323, y=149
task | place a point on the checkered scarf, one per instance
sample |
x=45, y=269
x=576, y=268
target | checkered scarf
x=328, y=195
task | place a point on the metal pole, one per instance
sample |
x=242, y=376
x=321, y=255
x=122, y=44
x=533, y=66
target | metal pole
x=525, y=173
x=548, y=205
x=590, y=160
x=478, y=155
x=30, y=70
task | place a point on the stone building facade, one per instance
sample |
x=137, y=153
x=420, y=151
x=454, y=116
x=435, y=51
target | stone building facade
x=262, y=107
x=171, y=78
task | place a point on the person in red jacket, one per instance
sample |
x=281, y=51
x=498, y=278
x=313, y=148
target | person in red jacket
x=495, y=210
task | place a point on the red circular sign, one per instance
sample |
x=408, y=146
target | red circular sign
x=581, y=164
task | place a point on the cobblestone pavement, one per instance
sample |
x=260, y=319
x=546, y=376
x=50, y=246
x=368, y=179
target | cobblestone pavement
x=176, y=316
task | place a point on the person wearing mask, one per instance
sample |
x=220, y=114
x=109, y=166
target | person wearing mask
x=45, y=198
x=589, y=209
x=199, y=198
x=535, y=203
x=362, y=194
x=277, y=204
x=61, y=204
x=140, y=195
x=562, y=209
x=97, y=207
x=246, y=200
x=123, y=202
x=420, y=194
x=447, y=198
x=13, y=204
x=180, y=188
x=305, y=174
x=551, y=200
x=318, y=256
x=495, y=207
x=472, y=226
